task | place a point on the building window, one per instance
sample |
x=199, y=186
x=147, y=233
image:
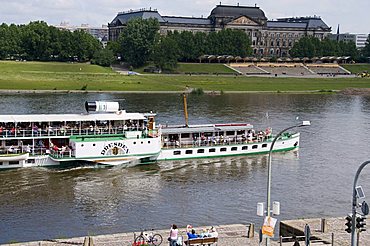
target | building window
x=254, y=42
x=278, y=43
x=272, y=43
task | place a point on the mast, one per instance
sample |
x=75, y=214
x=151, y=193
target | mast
x=186, y=111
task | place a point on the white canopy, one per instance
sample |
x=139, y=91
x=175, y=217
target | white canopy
x=120, y=115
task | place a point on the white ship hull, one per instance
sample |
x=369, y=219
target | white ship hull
x=213, y=151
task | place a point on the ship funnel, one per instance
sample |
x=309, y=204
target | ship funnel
x=101, y=106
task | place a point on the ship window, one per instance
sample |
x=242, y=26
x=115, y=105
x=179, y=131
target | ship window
x=94, y=145
x=244, y=147
x=142, y=142
x=230, y=133
x=148, y=142
x=134, y=142
x=189, y=151
x=264, y=145
x=200, y=151
x=185, y=135
x=212, y=150
x=31, y=161
x=177, y=152
x=223, y=149
x=234, y=148
x=254, y=146
x=82, y=145
x=1, y=163
x=13, y=162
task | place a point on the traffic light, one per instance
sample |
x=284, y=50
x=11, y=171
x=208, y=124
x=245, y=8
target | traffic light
x=349, y=223
x=361, y=223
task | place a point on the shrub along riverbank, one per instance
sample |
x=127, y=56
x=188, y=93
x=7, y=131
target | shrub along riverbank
x=84, y=77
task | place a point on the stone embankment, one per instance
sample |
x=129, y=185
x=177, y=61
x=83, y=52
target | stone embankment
x=323, y=232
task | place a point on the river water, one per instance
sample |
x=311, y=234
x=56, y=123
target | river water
x=316, y=181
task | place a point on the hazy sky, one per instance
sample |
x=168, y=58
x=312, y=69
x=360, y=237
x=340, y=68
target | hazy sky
x=351, y=15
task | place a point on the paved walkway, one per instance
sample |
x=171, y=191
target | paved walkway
x=229, y=235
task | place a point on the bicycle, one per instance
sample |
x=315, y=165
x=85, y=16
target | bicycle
x=148, y=238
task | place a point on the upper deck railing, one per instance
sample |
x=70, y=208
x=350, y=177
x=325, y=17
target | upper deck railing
x=62, y=132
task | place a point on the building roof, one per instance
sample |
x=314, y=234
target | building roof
x=311, y=22
x=281, y=24
x=186, y=20
x=237, y=11
x=124, y=17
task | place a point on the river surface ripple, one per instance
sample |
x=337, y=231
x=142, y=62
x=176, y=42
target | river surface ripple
x=316, y=181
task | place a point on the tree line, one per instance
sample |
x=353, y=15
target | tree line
x=140, y=42
x=313, y=47
x=41, y=42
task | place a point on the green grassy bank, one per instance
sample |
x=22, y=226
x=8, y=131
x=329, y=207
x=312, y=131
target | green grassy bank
x=65, y=76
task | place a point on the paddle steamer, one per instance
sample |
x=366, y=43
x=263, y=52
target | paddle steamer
x=109, y=136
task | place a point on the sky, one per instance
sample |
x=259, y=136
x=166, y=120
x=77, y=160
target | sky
x=352, y=16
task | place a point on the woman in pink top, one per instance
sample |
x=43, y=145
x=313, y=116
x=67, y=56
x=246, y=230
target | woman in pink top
x=173, y=235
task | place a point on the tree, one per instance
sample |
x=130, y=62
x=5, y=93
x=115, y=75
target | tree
x=103, y=57
x=138, y=39
x=166, y=53
x=307, y=47
x=84, y=45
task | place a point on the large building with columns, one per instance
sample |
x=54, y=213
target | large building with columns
x=269, y=37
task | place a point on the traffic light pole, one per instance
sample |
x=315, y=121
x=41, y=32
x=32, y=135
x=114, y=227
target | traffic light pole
x=354, y=204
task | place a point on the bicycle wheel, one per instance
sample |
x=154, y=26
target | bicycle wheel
x=140, y=240
x=157, y=239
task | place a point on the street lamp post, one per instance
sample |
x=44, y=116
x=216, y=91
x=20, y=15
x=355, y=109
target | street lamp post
x=268, y=211
x=354, y=203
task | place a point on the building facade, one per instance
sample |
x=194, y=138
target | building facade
x=100, y=33
x=358, y=39
x=269, y=38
